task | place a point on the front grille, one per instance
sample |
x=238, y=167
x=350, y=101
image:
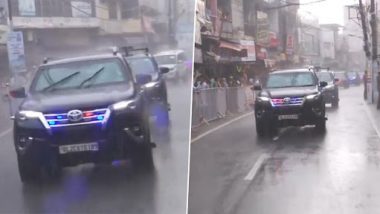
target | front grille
x=287, y=101
x=78, y=134
x=96, y=116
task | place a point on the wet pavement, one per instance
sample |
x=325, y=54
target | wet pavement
x=107, y=189
x=300, y=171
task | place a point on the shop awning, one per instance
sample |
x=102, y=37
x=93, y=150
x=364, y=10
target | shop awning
x=232, y=46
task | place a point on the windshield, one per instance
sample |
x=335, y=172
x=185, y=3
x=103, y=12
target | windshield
x=79, y=74
x=324, y=77
x=166, y=59
x=290, y=79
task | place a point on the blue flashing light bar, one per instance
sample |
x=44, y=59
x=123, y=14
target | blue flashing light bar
x=100, y=117
x=51, y=122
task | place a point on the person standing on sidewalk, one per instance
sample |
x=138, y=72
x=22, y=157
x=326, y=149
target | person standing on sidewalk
x=378, y=90
x=365, y=80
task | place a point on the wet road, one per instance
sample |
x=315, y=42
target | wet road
x=301, y=171
x=107, y=189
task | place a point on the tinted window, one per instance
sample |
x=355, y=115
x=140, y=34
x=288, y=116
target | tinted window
x=143, y=65
x=290, y=79
x=108, y=72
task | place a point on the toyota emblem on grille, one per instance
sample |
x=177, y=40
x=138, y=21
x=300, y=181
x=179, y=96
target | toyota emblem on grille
x=287, y=100
x=75, y=115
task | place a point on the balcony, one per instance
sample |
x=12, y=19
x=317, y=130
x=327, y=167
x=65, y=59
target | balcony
x=121, y=26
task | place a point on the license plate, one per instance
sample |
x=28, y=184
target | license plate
x=288, y=117
x=84, y=147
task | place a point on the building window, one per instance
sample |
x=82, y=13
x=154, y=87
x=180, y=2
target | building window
x=112, y=10
x=129, y=9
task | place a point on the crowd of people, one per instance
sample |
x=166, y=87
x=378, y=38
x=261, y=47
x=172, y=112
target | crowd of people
x=205, y=82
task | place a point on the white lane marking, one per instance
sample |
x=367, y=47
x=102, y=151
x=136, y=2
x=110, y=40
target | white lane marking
x=220, y=126
x=2, y=134
x=373, y=123
x=259, y=163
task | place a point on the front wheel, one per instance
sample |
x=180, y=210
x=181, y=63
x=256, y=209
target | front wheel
x=335, y=104
x=260, y=129
x=142, y=155
x=28, y=172
x=320, y=125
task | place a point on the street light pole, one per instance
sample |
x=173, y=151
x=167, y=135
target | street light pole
x=10, y=19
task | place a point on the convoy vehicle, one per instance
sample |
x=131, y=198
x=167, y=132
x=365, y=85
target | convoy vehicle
x=289, y=98
x=343, y=80
x=175, y=61
x=88, y=109
x=331, y=91
x=156, y=90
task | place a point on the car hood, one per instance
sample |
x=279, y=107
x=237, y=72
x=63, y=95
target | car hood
x=289, y=92
x=65, y=100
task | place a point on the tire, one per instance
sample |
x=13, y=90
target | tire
x=260, y=129
x=27, y=171
x=335, y=103
x=320, y=125
x=142, y=156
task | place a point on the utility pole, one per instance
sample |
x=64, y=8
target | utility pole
x=10, y=19
x=374, y=50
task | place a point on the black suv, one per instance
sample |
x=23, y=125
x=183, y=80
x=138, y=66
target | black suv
x=145, y=64
x=331, y=91
x=289, y=98
x=80, y=110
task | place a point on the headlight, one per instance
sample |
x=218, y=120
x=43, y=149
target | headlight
x=30, y=115
x=313, y=96
x=123, y=105
x=263, y=99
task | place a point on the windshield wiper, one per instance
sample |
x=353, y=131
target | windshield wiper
x=61, y=81
x=91, y=78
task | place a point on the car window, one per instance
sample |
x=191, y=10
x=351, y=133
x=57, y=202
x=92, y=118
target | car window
x=109, y=72
x=290, y=79
x=143, y=65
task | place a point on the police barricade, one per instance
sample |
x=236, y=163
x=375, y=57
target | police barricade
x=215, y=103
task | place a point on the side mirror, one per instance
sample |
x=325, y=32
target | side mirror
x=323, y=84
x=18, y=93
x=257, y=87
x=164, y=70
x=143, y=79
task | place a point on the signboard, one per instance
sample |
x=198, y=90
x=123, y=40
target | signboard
x=59, y=22
x=27, y=7
x=251, y=50
x=16, y=54
x=289, y=44
x=81, y=9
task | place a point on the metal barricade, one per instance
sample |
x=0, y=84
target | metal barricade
x=215, y=103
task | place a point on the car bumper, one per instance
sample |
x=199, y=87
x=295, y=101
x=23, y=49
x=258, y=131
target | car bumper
x=113, y=143
x=301, y=115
